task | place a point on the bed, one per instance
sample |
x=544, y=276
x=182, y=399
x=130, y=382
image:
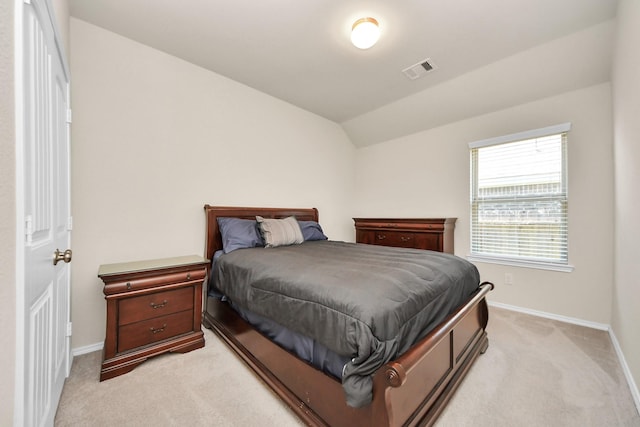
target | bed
x=413, y=389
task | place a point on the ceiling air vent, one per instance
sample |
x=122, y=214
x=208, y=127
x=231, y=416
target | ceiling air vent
x=420, y=69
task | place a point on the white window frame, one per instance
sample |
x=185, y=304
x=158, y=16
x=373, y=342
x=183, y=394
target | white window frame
x=506, y=259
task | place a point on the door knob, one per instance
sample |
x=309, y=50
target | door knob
x=62, y=256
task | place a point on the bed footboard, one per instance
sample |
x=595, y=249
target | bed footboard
x=419, y=383
x=412, y=390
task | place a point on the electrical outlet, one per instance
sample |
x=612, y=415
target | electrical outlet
x=508, y=279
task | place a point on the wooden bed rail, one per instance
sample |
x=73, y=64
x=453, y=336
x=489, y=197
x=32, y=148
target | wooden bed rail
x=396, y=371
x=414, y=389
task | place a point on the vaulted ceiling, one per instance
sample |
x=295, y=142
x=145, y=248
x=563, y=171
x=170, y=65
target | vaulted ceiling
x=299, y=50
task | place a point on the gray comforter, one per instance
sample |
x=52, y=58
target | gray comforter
x=370, y=303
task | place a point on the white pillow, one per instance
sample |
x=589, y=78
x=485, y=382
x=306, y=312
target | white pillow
x=280, y=232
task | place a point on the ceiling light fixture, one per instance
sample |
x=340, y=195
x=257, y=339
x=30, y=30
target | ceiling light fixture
x=365, y=33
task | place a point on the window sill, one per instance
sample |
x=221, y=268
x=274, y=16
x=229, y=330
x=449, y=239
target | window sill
x=565, y=268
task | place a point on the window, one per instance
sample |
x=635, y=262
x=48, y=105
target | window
x=519, y=199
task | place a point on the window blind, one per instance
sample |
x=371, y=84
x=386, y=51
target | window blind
x=519, y=203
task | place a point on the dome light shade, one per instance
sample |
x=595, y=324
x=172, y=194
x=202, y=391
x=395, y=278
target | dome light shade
x=365, y=33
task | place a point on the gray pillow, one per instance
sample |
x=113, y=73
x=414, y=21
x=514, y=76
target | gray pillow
x=280, y=232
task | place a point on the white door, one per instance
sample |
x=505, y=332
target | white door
x=47, y=217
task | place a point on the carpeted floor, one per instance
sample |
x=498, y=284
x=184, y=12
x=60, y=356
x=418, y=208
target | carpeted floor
x=536, y=372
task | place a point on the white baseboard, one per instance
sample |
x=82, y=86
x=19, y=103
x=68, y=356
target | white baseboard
x=86, y=349
x=627, y=372
x=601, y=326
x=566, y=319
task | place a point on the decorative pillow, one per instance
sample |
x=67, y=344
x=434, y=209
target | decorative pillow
x=311, y=230
x=280, y=232
x=239, y=233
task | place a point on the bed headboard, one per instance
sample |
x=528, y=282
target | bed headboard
x=214, y=240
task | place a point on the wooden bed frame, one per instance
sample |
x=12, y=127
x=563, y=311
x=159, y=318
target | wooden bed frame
x=412, y=390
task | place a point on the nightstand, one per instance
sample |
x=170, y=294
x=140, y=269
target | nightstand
x=153, y=307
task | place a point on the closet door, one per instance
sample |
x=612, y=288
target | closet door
x=47, y=220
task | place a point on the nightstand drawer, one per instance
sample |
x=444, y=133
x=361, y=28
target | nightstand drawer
x=154, y=281
x=153, y=305
x=149, y=331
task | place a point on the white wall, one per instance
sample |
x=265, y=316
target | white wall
x=7, y=214
x=154, y=138
x=427, y=174
x=626, y=106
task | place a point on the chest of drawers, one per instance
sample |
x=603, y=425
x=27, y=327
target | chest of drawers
x=153, y=307
x=434, y=234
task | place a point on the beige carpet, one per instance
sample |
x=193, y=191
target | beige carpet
x=536, y=372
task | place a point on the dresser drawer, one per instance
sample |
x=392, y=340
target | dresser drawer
x=157, y=329
x=408, y=240
x=153, y=305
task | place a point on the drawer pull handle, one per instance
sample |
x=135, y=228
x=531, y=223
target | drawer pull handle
x=405, y=238
x=381, y=236
x=157, y=330
x=162, y=304
x=188, y=276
